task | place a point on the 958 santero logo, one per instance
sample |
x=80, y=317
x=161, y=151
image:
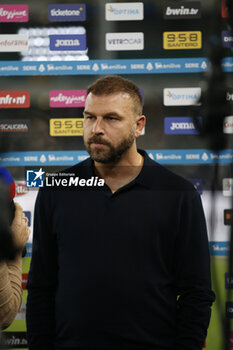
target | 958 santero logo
x=66, y=127
x=182, y=40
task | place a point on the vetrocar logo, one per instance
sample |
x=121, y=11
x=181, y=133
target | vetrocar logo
x=182, y=40
x=67, y=13
x=13, y=13
x=67, y=98
x=180, y=125
x=14, y=99
x=67, y=42
x=182, y=9
x=124, y=41
x=181, y=96
x=124, y=11
x=13, y=42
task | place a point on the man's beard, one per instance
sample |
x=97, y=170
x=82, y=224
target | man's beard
x=109, y=154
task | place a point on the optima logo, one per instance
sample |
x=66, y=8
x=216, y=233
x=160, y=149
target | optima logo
x=180, y=125
x=67, y=13
x=124, y=41
x=14, y=99
x=67, y=42
x=124, y=11
x=182, y=10
x=182, y=40
x=181, y=96
x=14, y=13
x=67, y=98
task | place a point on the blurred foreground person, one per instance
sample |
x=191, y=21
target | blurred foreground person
x=11, y=269
x=123, y=265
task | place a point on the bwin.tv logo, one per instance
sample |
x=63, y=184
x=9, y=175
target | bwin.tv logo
x=35, y=178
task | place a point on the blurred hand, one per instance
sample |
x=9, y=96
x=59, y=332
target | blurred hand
x=19, y=227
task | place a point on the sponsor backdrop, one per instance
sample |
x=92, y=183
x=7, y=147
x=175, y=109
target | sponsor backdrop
x=50, y=51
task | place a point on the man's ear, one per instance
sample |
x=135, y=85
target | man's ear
x=140, y=123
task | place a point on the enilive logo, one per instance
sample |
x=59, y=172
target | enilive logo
x=124, y=41
x=181, y=96
x=67, y=98
x=180, y=125
x=228, y=125
x=13, y=42
x=67, y=13
x=124, y=11
x=227, y=38
x=13, y=13
x=14, y=99
x=182, y=10
x=67, y=42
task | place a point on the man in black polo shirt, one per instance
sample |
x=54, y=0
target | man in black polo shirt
x=124, y=266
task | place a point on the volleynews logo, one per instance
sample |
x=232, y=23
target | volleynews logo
x=13, y=13
x=67, y=98
x=14, y=99
x=35, y=178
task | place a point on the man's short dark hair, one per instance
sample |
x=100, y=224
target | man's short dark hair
x=112, y=84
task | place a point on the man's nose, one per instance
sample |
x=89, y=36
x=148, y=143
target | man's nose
x=98, y=127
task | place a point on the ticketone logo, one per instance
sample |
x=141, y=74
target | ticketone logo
x=14, y=99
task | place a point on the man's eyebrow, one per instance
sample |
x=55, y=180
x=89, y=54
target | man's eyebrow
x=114, y=114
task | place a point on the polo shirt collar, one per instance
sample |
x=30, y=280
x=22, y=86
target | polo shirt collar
x=145, y=178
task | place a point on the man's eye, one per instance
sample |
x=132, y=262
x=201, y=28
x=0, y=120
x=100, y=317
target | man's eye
x=90, y=117
x=111, y=118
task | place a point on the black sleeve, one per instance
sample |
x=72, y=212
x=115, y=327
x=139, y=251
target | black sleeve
x=193, y=281
x=42, y=279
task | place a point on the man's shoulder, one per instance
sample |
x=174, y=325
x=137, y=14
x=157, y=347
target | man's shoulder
x=160, y=177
